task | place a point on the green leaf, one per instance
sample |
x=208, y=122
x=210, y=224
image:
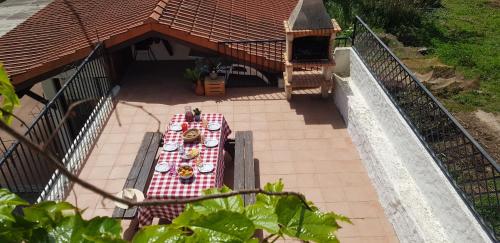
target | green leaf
x=234, y=203
x=224, y=226
x=102, y=228
x=10, y=99
x=286, y=208
x=159, y=234
x=186, y=216
x=8, y=202
x=270, y=201
x=49, y=212
x=65, y=229
x=298, y=221
x=263, y=217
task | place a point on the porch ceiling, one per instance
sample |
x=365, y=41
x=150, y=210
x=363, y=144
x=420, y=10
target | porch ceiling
x=65, y=30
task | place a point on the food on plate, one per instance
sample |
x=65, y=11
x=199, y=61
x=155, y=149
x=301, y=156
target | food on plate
x=192, y=153
x=185, y=171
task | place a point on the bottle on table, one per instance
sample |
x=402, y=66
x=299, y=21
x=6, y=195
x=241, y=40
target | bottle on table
x=188, y=114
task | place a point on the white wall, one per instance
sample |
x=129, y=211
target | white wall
x=181, y=52
x=417, y=198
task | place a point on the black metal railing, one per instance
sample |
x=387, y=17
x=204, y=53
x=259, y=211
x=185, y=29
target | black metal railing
x=473, y=173
x=24, y=171
x=261, y=59
x=252, y=63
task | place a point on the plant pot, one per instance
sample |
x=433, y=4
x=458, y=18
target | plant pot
x=199, y=90
x=197, y=118
x=213, y=75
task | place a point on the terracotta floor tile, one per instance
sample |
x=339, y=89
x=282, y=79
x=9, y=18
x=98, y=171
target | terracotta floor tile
x=114, y=185
x=134, y=137
x=130, y=148
x=279, y=144
x=258, y=117
x=370, y=209
x=307, y=180
x=312, y=194
x=282, y=156
x=125, y=159
x=101, y=172
x=333, y=194
x=112, y=148
x=115, y=138
x=120, y=172
x=303, y=167
x=347, y=230
x=78, y=189
x=104, y=160
x=354, y=179
x=328, y=180
x=84, y=201
x=242, y=117
x=339, y=208
x=360, y=194
x=369, y=227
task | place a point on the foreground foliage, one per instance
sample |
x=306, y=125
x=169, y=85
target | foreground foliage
x=8, y=96
x=214, y=220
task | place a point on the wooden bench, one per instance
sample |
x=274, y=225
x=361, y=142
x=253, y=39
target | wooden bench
x=140, y=174
x=244, y=164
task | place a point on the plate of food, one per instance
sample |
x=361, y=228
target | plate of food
x=162, y=167
x=191, y=154
x=185, y=171
x=206, y=168
x=211, y=143
x=213, y=126
x=170, y=146
x=176, y=127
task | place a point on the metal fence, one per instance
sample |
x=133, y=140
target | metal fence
x=252, y=63
x=260, y=59
x=473, y=173
x=25, y=172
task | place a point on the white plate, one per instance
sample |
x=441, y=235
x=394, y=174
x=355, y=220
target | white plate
x=176, y=127
x=170, y=146
x=213, y=126
x=211, y=143
x=206, y=168
x=162, y=167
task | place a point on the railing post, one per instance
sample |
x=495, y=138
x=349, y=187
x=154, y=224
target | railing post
x=354, y=31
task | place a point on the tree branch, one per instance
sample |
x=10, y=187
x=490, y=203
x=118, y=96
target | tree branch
x=13, y=115
x=68, y=114
x=60, y=166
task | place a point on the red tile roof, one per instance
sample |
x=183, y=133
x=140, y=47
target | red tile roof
x=65, y=30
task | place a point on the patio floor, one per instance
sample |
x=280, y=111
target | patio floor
x=304, y=142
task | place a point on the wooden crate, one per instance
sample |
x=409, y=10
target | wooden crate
x=215, y=87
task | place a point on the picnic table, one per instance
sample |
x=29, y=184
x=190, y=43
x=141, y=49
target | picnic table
x=168, y=185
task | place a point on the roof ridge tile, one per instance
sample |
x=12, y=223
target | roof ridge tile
x=157, y=12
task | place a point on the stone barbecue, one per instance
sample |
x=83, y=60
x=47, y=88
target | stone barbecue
x=310, y=36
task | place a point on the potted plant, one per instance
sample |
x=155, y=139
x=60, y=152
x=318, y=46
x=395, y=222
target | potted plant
x=214, y=73
x=194, y=75
x=212, y=67
x=197, y=114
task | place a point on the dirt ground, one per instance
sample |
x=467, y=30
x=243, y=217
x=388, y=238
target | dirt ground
x=485, y=128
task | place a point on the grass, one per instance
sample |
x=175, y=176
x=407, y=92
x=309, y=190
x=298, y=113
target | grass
x=470, y=41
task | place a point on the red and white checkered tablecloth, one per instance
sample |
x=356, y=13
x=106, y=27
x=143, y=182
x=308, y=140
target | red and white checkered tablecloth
x=169, y=186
